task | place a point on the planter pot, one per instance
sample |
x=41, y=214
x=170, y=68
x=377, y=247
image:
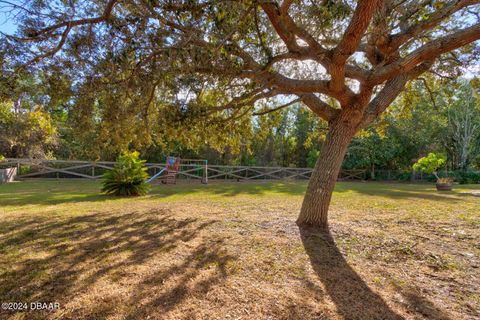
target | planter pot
x=7, y=175
x=444, y=186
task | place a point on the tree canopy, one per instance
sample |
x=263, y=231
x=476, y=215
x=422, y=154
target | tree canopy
x=327, y=54
x=196, y=70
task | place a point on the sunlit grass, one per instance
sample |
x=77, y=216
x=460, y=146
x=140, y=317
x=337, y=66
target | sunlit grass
x=224, y=247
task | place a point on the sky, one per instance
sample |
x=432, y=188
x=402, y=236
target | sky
x=7, y=24
x=7, y=27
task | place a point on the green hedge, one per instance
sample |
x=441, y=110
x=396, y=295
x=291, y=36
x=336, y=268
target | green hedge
x=467, y=177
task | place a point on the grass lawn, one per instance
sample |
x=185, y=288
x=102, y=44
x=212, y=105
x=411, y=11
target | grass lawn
x=233, y=251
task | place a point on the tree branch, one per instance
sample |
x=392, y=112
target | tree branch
x=428, y=51
x=285, y=6
x=390, y=91
x=319, y=107
x=260, y=113
x=355, y=30
x=73, y=23
x=350, y=41
x=247, y=99
x=273, y=14
x=54, y=50
x=412, y=31
x=287, y=29
x=430, y=93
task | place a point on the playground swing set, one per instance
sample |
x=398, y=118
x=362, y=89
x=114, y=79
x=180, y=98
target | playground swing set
x=168, y=175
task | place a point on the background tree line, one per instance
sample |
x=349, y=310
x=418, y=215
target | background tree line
x=48, y=116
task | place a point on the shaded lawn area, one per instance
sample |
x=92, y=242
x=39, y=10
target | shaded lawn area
x=233, y=251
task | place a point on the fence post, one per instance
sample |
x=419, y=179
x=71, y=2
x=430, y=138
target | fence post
x=206, y=171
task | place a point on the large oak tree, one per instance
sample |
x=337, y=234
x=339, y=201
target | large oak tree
x=345, y=60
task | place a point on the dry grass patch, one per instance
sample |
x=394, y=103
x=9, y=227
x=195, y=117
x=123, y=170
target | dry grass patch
x=232, y=251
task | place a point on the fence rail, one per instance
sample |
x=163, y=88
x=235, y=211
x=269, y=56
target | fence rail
x=35, y=168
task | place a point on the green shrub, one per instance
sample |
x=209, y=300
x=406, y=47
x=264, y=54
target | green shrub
x=312, y=158
x=404, y=176
x=25, y=169
x=2, y=158
x=467, y=177
x=128, y=177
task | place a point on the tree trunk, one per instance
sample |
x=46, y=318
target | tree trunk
x=324, y=176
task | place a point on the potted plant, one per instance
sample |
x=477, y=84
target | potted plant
x=430, y=165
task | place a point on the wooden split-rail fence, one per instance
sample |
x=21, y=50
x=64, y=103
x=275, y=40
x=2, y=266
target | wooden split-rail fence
x=35, y=168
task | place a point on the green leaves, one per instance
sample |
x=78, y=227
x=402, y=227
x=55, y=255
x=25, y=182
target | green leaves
x=26, y=133
x=312, y=158
x=128, y=177
x=430, y=163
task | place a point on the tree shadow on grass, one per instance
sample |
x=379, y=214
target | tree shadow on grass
x=399, y=191
x=231, y=189
x=66, y=258
x=57, y=192
x=52, y=192
x=417, y=303
x=351, y=295
x=204, y=257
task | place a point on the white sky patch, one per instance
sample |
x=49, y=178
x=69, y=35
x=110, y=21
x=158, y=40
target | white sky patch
x=471, y=72
x=302, y=70
x=301, y=42
x=354, y=85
